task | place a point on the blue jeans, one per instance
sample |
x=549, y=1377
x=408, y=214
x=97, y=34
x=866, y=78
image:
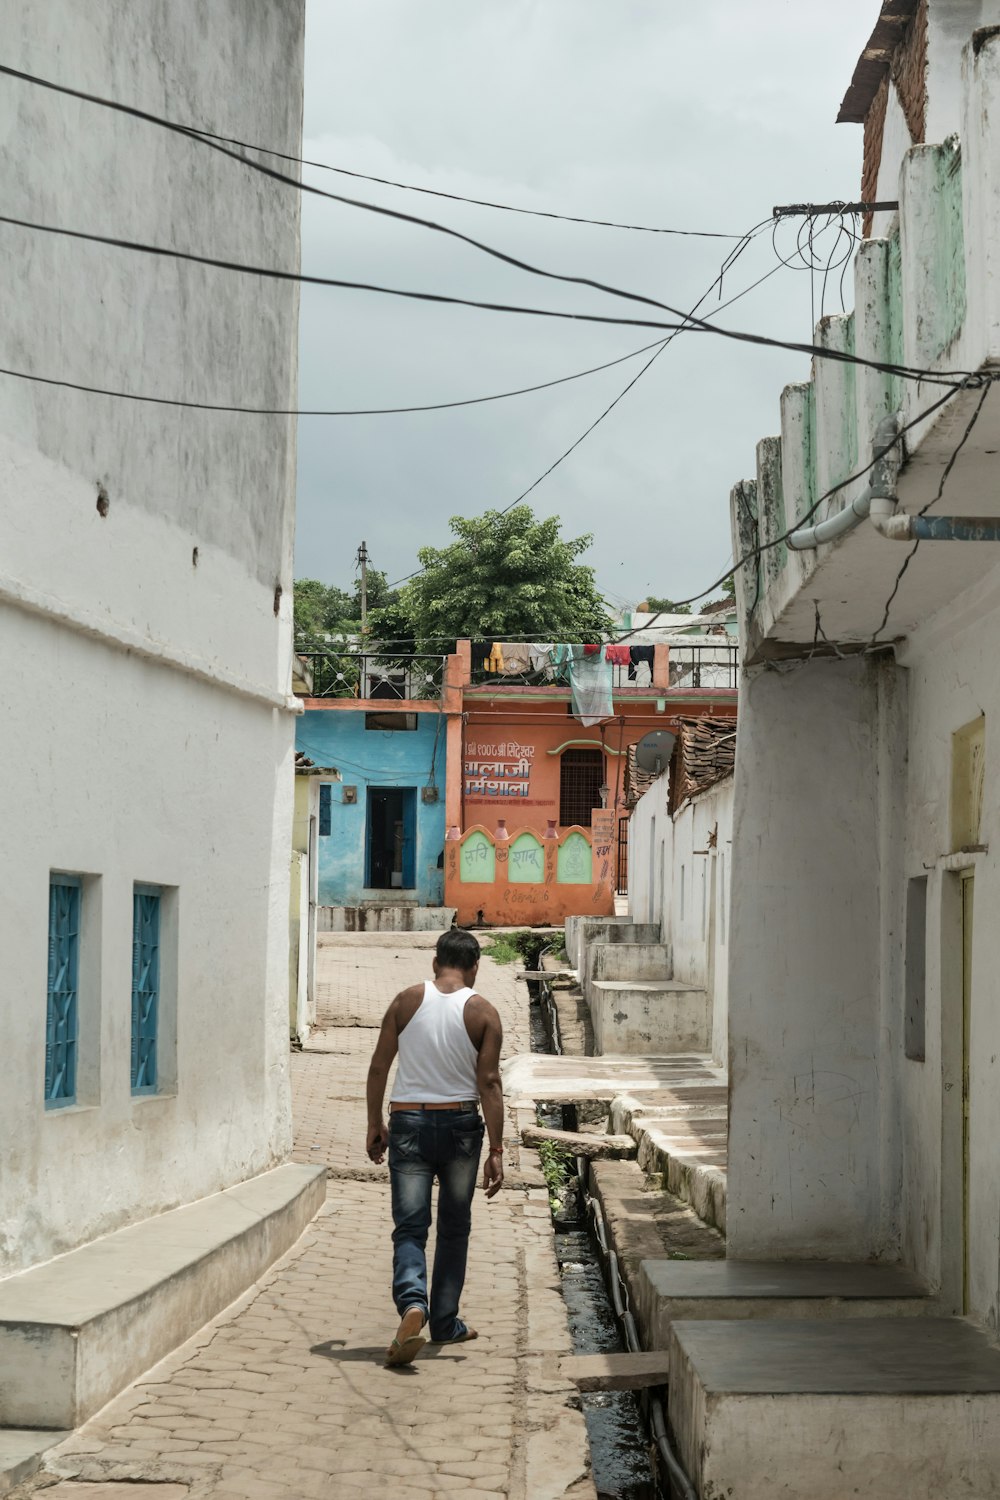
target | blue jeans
x=424, y=1144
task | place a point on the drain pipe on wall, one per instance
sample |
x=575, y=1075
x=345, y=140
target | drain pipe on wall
x=882, y=485
x=878, y=503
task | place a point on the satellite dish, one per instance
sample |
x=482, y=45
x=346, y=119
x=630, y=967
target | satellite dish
x=653, y=752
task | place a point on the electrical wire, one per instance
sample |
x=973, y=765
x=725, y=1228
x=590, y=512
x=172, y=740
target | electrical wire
x=724, y=268
x=268, y=411
x=687, y=323
x=945, y=474
x=212, y=136
x=812, y=349
x=727, y=263
x=757, y=551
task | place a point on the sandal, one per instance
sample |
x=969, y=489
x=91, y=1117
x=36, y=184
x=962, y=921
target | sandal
x=408, y=1341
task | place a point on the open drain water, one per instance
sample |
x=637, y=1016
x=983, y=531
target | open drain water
x=619, y=1440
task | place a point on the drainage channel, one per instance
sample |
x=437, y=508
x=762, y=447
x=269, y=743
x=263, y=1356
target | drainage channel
x=620, y=1441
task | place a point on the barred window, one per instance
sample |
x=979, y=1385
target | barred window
x=580, y=778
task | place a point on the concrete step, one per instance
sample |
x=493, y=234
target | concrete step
x=582, y=932
x=75, y=1331
x=672, y=1290
x=874, y=1408
x=652, y=1017
x=625, y=961
x=681, y=1132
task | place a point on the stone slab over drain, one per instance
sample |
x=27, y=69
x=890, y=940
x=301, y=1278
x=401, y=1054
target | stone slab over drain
x=74, y=1489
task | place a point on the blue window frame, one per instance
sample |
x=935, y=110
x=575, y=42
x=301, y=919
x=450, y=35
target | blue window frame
x=325, y=807
x=145, y=987
x=62, y=1007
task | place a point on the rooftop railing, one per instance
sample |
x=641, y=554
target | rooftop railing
x=705, y=666
x=373, y=674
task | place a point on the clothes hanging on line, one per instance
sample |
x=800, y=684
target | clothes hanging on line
x=618, y=653
x=516, y=656
x=640, y=656
x=496, y=662
x=539, y=658
x=591, y=650
x=481, y=655
x=590, y=684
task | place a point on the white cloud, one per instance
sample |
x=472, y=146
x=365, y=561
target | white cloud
x=702, y=117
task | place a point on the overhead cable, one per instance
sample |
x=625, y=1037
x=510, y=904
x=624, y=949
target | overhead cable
x=279, y=411
x=304, y=161
x=954, y=378
x=945, y=475
x=761, y=547
x=811, y=349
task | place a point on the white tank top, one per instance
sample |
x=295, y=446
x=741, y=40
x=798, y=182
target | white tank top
x=437, y=1061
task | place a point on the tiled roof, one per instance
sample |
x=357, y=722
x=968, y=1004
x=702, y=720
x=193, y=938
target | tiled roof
x=704, y=754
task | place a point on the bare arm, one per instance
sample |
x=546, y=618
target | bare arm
x=378, y=1076
x=491, y=1094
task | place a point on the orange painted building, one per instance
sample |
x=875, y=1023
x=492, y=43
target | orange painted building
x=535, y=800
x=534, y=818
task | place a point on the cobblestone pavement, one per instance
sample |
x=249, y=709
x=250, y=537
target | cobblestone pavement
x=285, y=1394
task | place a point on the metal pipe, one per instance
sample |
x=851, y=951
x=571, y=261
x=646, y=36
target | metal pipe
x=619, y=1297
x=898, y=527
x=885, y=449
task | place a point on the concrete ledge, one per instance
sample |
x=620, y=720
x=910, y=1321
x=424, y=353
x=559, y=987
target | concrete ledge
x=384, y=916
x=683, y=1140
x=669, y=1291
x=581, y=932
x=643, y=961
x=874, y=1408
x=654, y=1018
x=21, y=1454
x=76, y=1331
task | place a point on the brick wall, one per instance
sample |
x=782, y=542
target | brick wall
x=874, y=128
x=908, y=72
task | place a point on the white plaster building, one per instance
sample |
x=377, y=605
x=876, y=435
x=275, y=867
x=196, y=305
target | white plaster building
x=145, y=612
x=864, y=1024
x=680, y=860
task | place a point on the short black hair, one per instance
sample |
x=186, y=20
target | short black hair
x=457, y=949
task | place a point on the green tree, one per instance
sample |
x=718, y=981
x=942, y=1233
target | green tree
x=666, y=606
x=320, y=609
x=505, y=577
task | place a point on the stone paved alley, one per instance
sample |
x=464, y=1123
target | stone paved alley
x=285, y=1394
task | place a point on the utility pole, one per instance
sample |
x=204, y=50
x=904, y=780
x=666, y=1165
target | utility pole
x=363, y=561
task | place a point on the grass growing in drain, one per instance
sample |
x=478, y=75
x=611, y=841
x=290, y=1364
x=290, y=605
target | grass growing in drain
x=557, y=1167
x=526, y=947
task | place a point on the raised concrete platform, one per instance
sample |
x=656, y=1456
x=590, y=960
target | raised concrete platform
x=76, y=1331
x=384, y=916
x=643, y=961
x=657, y=1017
x=669, y=1291
x=681, y=1130
x=877, y=1409
x=674, y=1108
x=581, y=932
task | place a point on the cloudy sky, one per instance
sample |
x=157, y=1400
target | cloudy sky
x=648, y=111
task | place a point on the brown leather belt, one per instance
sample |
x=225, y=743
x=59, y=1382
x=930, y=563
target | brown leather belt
x=462, y=1104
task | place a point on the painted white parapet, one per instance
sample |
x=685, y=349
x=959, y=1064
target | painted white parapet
x=926, y=296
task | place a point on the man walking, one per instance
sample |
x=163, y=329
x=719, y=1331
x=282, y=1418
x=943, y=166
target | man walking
x=448, y=1039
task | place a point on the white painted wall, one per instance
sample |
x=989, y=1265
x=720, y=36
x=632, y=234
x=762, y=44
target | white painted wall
x=952, y=670
x=690, y=892
x=806, y=1086
x=147, y=733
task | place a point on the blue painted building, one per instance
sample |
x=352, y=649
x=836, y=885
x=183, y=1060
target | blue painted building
x=382, y=826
